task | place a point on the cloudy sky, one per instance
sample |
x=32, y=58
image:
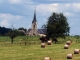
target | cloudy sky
x=19, y=13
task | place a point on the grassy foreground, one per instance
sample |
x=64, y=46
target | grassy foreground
x=35, y=52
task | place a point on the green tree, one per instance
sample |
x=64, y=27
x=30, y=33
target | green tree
x=12, y=34
x=22, y=29
x=57, y=26
x=43, y=26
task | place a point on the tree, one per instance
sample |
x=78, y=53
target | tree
x=22, y=29
x=43, y=26
x=12, y=34
x=57, y=26
x=4, y=30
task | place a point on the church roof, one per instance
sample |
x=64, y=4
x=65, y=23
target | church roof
x=40, y=31
x=34, y=18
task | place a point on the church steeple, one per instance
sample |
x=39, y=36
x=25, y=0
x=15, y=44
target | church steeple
x=34, y=18
x=34, y=22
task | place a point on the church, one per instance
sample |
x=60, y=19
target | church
x=34, y=31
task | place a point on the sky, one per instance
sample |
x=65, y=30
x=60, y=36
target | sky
x=19, y=13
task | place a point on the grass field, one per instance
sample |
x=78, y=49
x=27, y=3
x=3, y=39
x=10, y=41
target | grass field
x=33, y=51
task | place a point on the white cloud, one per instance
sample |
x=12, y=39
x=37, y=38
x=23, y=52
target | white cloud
x=7, y=19
x=66, y=8
x=69, y=14
x=67, y=5
x=10, y=17
x=44, y=8
x=4, y=23
x=15, y=1
x=18, y=17
x=20, y=2
x=55, y=4
x=76, y=7
x=63, y=1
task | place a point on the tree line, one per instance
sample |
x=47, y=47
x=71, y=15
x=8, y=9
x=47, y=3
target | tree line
x=6, y=31
x=12, y=33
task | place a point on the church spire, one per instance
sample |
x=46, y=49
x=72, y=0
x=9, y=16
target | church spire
x=34, y=18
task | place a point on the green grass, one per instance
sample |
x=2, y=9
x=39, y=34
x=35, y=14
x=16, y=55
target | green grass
x=33, y=51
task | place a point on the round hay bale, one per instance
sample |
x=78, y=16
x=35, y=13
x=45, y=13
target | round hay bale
x=68, y=42
x=66, y=46
x=76, y=51
x=49, y=42
x=69, y=56
x=43, y=45
x=47, y=58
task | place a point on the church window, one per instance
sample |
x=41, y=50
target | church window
x=33, y=26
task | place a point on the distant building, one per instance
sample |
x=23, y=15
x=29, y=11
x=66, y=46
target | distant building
x=34, y=31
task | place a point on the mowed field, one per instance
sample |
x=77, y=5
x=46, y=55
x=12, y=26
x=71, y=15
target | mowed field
x=33, y=51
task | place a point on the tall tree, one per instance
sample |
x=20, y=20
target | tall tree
x=57, y=26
